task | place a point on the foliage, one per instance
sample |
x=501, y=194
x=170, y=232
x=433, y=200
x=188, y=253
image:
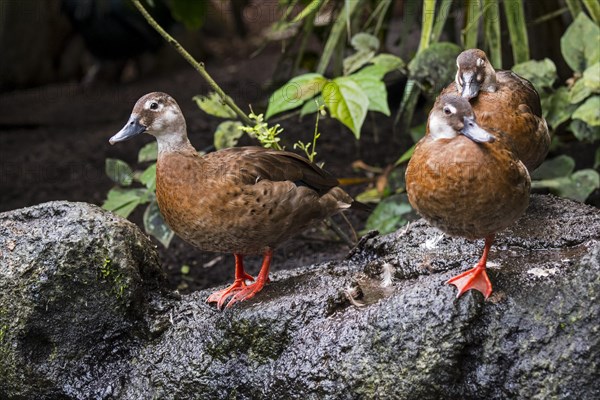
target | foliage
x=576, y=105
x=124, y=199
x=347, y=97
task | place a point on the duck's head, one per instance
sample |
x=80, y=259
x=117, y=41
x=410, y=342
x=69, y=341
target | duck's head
x=158, y=115
x=474, y=73
x=452, y=116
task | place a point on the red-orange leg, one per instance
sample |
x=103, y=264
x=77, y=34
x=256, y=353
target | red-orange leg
x=239, y=283
x=263, y=277
x=475, y=278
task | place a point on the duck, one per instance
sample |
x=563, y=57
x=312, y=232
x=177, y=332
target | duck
x=240, y=200
x=503, y=100
x=467, y=181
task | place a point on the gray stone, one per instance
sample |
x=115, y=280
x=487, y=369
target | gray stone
x=536, y=337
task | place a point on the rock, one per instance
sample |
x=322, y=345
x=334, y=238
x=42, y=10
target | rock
x=76, y=285
x=537, y=337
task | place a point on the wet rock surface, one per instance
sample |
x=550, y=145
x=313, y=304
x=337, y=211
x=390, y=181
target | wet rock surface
x=327, y=331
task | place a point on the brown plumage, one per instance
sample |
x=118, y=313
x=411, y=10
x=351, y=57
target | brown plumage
x=244, y=200
x=505, y=101
x=466, y=181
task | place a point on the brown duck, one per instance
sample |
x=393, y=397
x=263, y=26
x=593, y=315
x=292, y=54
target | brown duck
x=505, y=101
x=244, y=200
x=466, y=181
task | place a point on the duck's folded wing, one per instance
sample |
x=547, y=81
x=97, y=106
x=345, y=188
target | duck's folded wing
x=253, y=164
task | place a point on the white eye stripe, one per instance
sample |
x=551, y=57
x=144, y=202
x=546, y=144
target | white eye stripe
x=149, y=103
x=480, y=62
x=451, y=108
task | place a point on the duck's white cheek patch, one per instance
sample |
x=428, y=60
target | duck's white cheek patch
x=170, y=116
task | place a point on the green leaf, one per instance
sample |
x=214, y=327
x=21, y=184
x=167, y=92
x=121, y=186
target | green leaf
x=347, y=103
x=557, y=108
x=417, y=132
x=149, y=152
x=406, y=156
x=373, y=86
x=155, y=225
x=542, y=74
x=554, y=168
x=365, y=42
x=365, y=45
x=579, y=92
x=294, y=93
x=214, y=105
x=118, y=171
x=389, y=214
x=583, y=131
x=589, y=111
x=227, y=134
x=190, y=12
x=579, y=44
x=123, y=201
x=148, y=177
x=388, y=62
x=577, y=186
x=436, y=65
x=591, y=77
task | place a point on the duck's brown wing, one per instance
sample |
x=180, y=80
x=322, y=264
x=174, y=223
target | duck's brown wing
x=253, y=164
x=520, y=88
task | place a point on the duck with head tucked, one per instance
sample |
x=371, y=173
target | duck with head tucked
x=503, y=100
x=244, y=200
x=467, y=181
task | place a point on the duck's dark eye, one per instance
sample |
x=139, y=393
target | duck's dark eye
x=447, y=111
x=154, y=105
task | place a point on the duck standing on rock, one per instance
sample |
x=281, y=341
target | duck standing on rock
x=503, y=100
x=466, y=181
x=244, y=200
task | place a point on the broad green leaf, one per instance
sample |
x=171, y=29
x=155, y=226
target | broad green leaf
x=119, y=171
x=579, y=44
x=148, y=177
x=583, y=131
x=436, y=65
x=558, y=167
x=294, y=93
x=372, y=195
x=579, y=92
x=155, y=225
x=557, y=108
x=356, y=61
x=541, y=74
x=589, y=111
x=365, y=45
x=374, y=88
x=149, y=152
x=190, y=12
x=214, y=105
x=365, y=42
x=591, y=77
x=123, y=201
x=227, y=134
x=389, y=215
x=347, y=103
x=388, y=62
x=577, y=186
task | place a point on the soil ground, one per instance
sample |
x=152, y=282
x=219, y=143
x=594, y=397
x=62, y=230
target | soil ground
x=54, y=141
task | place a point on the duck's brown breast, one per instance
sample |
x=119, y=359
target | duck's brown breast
x=465, y=188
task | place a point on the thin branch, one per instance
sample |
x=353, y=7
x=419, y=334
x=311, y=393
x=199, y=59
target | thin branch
x=199, y=66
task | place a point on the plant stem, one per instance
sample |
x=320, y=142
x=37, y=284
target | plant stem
x=574, y=7
x=517, y=29
x=197, y=65
x=440, y=20
x=428, y=17
x=472, y=16
x=491, y=27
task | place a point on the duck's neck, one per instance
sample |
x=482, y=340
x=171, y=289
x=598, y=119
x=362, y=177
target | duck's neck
x=174, y=143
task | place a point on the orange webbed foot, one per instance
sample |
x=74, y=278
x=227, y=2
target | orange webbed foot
x=247, y=292
x=220, y=296
x=475, y=278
